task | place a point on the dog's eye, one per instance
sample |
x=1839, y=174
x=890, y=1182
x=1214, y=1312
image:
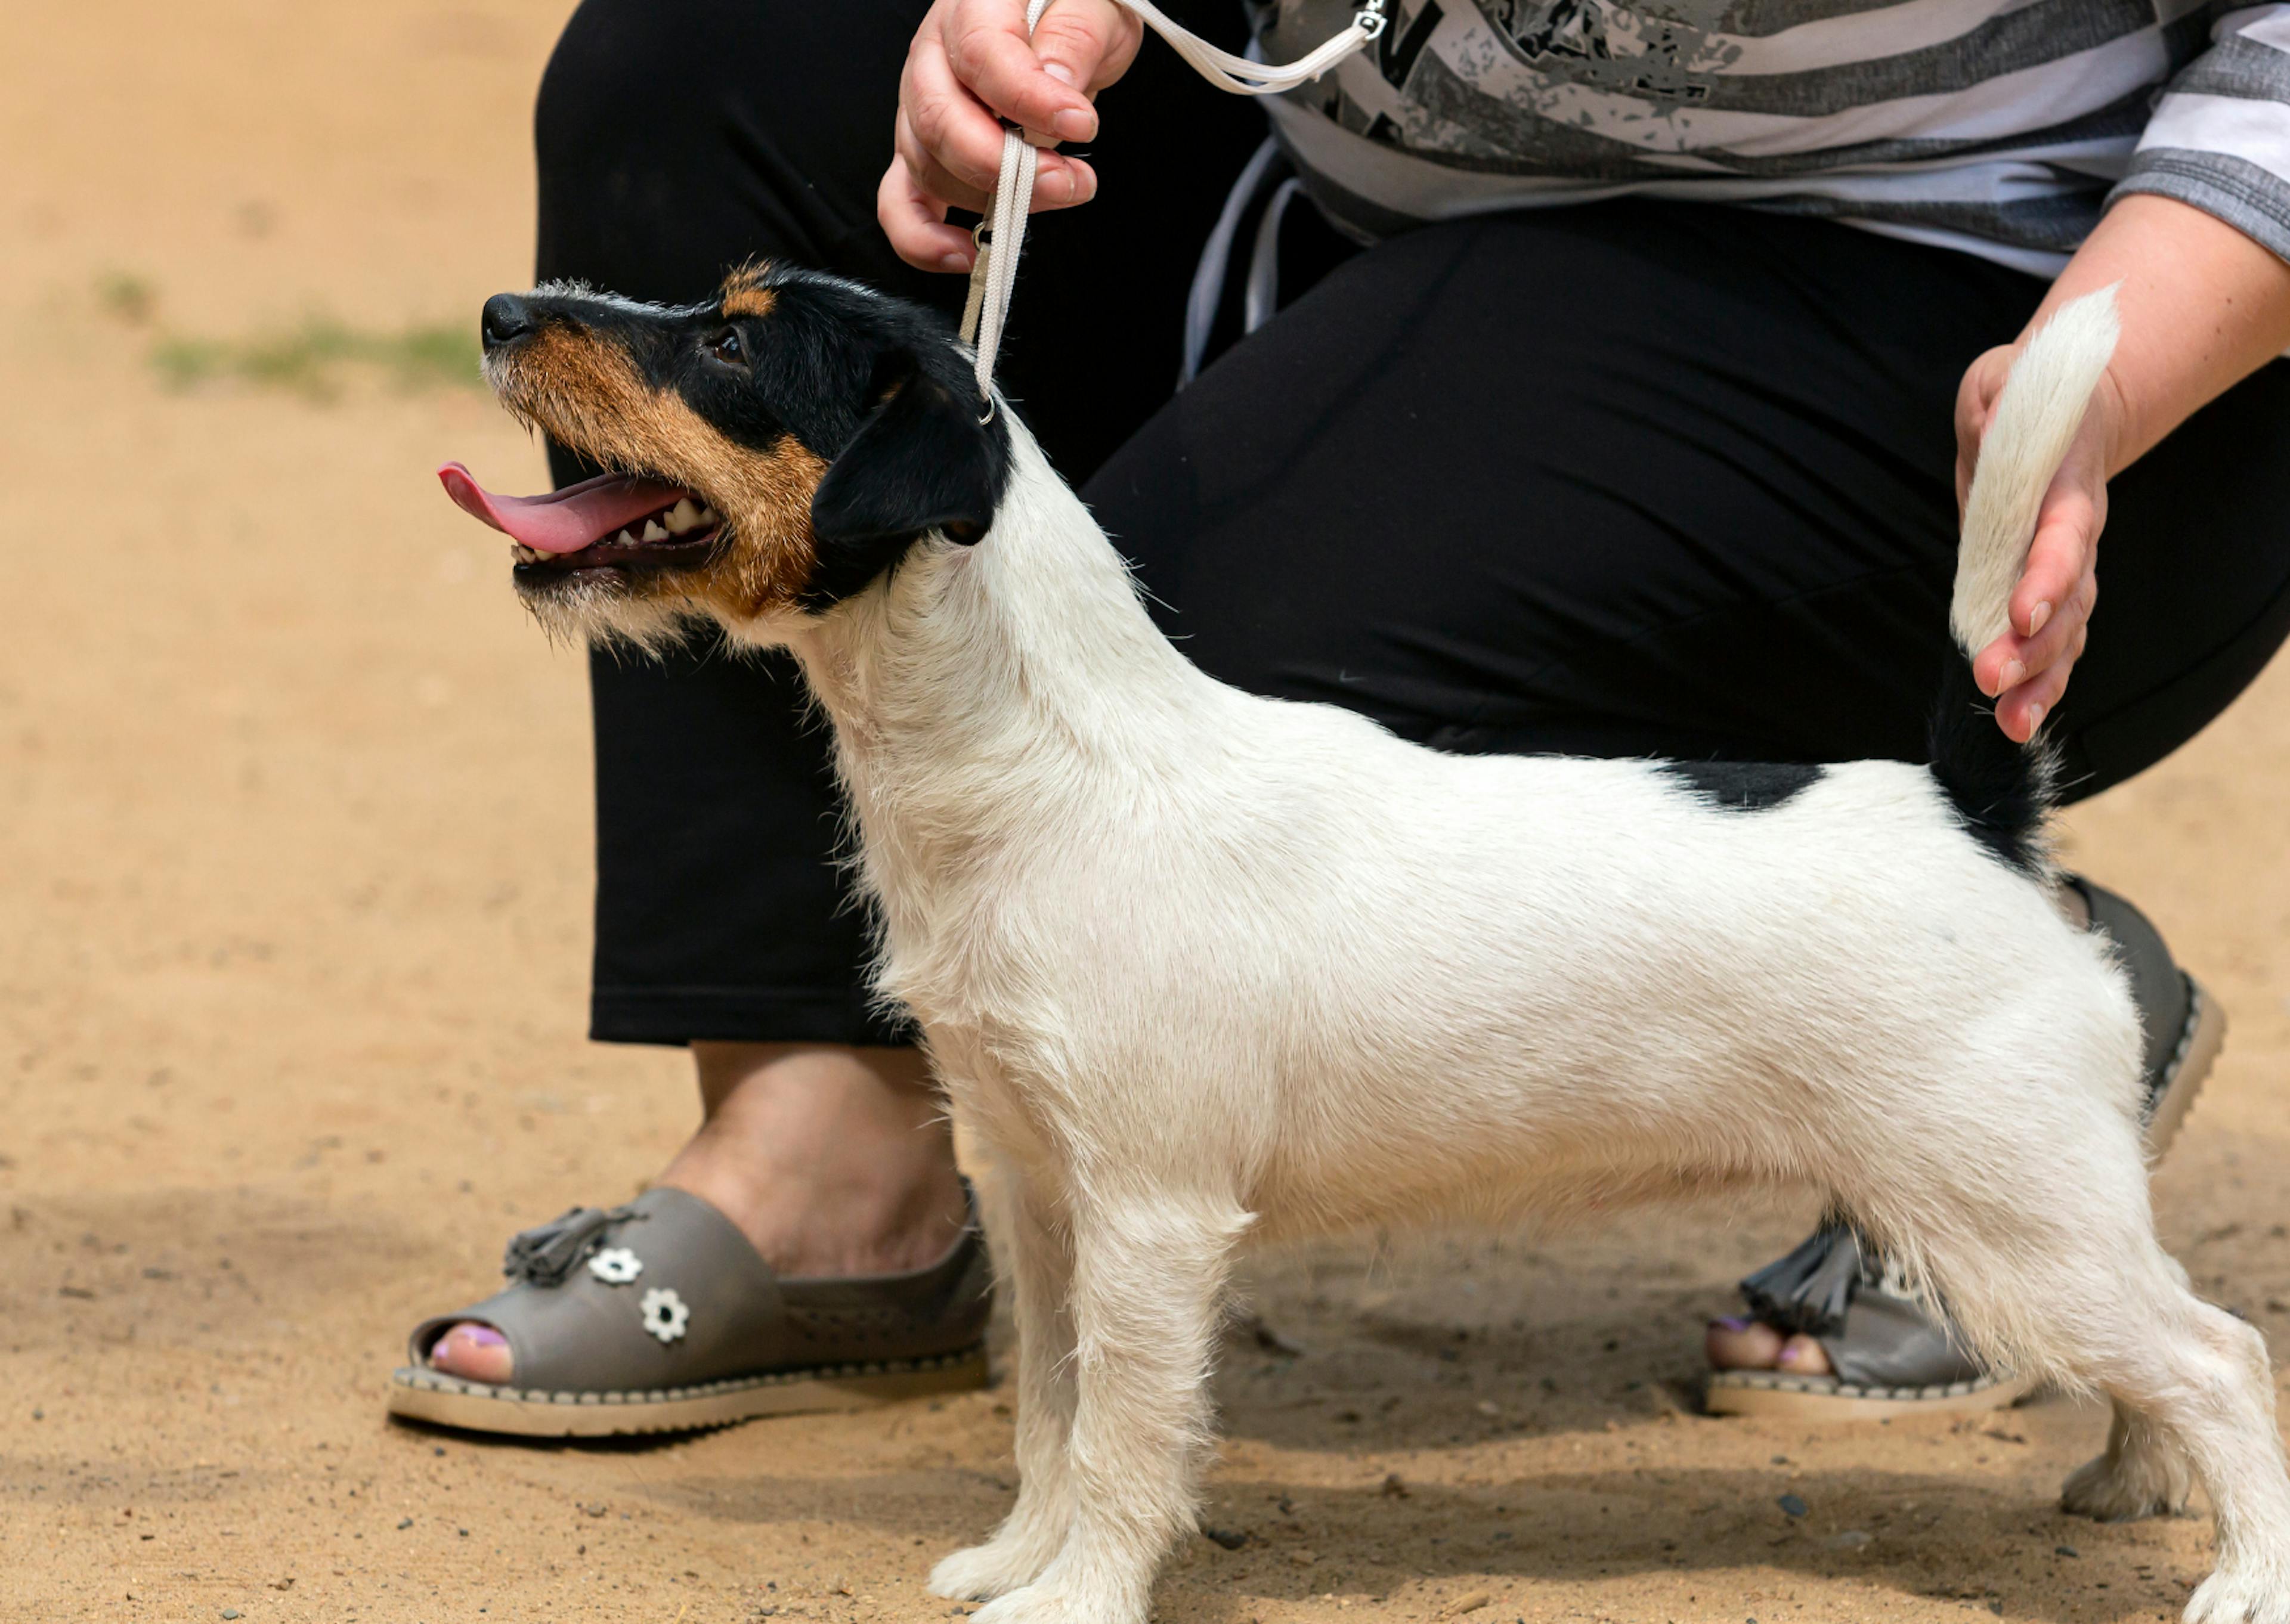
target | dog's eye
x=726, y=348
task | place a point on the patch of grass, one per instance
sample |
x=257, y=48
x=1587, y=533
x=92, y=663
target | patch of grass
x=312, y=357
x=127, y=297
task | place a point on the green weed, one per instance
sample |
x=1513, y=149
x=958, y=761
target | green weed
x=312, y=359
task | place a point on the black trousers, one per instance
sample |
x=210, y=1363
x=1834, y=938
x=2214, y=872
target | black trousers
x=1633, y=478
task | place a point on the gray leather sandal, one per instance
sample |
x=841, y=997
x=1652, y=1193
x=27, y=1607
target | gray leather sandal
x=1887, y=1355
x=659, y=1317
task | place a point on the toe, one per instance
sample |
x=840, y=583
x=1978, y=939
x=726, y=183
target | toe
x=1743, y=1345
x=473, y=1352
x=1801, y=1356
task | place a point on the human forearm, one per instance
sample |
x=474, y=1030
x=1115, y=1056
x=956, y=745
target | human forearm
x=2202, y=307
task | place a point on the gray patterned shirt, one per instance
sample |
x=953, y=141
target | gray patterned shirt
x=2002, y=127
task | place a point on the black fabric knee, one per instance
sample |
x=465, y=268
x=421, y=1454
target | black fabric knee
x=1666, y=480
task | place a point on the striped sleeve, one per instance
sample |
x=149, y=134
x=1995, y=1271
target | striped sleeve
x=2220, y=136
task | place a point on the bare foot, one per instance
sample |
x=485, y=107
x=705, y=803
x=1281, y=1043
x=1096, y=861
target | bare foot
x=831, y=1160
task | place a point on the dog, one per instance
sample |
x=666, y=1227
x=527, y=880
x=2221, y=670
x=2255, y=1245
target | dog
x=1200, y=968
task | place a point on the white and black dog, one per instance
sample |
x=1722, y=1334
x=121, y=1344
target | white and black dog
x=1198, y=967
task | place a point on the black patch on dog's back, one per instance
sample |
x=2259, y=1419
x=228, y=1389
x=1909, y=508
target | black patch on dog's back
x=1745, y=786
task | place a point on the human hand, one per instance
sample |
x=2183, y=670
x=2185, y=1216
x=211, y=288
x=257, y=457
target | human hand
x=971, y=65
x=2026, y=670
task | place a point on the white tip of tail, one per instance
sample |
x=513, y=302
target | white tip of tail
x=2043, y=406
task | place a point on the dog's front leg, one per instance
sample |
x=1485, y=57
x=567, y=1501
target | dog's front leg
x=1149, y=1278
x=1039, y=1257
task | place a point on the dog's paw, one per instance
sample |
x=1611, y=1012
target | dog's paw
x=984, y=1572
x=2253, y=1593
x=1060, y=1602
x=2123, y=1488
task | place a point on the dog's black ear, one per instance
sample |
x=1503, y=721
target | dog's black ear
x=921, y=461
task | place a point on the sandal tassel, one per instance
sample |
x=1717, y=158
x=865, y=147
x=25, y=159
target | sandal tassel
x=544, y=1254
x=1809, y=1291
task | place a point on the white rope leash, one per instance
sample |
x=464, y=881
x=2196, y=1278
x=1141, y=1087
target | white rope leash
x=1002, y=232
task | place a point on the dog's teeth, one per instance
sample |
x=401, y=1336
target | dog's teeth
x=625, y=540
x=682, y=516
x=707, y=514
x=652, y=531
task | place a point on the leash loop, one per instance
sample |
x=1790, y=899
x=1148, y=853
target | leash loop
x=1000, y=235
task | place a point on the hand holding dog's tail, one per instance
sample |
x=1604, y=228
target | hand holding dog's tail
x=2041, y=409
x=2004, y=791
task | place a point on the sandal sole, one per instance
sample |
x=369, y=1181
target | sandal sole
x=449, y=1401
x=1765, y=1393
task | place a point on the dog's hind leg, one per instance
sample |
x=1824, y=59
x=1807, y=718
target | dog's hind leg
x=1148, y=1282
x=2199, y=1388
x=2056, y=1268
x=1039, y=1257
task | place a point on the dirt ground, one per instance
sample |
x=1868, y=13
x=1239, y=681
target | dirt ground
x=294, y=835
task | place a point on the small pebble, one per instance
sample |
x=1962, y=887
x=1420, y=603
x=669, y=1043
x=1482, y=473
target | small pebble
x=406, y=1522
x=2065, y=1550
x=1792, y=1505
x=232, y=1612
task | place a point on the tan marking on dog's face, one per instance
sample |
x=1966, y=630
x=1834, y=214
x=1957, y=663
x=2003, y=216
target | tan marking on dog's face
x=742, y=301
x=585, y=392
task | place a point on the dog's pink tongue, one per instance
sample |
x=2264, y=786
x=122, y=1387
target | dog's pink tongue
x=563, y=521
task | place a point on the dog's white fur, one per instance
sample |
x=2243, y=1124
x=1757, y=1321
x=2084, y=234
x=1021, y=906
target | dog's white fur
x=1197, y=966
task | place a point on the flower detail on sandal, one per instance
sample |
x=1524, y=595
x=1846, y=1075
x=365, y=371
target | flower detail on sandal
x=616, y=1266
x=665, y=1314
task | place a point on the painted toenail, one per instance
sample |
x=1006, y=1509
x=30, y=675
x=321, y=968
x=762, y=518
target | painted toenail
x=483, y=1336
x=1730, y=1323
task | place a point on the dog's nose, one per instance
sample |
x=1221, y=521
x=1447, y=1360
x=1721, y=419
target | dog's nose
x=506, y=319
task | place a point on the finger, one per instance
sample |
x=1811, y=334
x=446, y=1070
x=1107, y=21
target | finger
x=969, y=180
x=915, y=224
x=1070, y=183
x=2022, y=711
x=2058, y=559
x=2012, y=659
x=946, y=123
x=1087, y=46
x=989, y=51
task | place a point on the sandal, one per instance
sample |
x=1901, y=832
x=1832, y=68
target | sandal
x=1887, y=1355
x=659, y=1317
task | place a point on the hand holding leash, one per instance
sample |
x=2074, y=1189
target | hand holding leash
x=972, y=66
x=940, y=156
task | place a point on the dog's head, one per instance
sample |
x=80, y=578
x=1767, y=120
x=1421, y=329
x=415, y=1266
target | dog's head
x=773, y=450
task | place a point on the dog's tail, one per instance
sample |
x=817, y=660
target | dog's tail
x=2003, y=790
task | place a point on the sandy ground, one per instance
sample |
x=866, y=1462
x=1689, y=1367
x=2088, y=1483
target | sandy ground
x=293, y=817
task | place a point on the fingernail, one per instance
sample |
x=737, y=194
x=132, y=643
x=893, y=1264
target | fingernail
x=2038, y=616
x=954, y=261
x=2014, y=673
x=1729, y=1321
x=2035, y=719
x=1062, y=74
x=483, y=1336
x=1073, y=124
